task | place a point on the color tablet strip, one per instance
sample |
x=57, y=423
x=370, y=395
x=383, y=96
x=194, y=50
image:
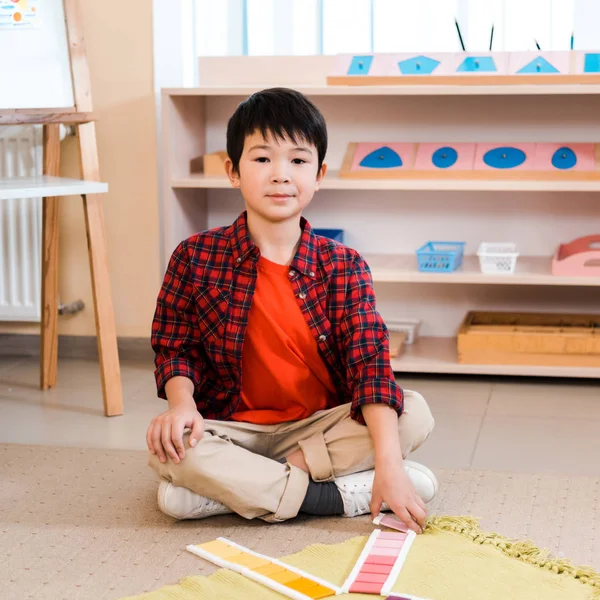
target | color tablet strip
x=379, y=563
x=391, y=580
x=361, y=561
x=270, y=572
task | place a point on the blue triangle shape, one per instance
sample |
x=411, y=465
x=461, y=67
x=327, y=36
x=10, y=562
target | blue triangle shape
x=382, y=158
x=538, y=65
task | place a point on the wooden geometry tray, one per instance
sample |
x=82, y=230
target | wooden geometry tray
x=467, y=68
x=548, y=339
x=470, y=160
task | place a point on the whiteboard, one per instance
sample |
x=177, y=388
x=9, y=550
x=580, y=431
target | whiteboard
x=35, y=70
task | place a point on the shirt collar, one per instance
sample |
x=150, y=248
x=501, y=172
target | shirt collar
x=304, y=261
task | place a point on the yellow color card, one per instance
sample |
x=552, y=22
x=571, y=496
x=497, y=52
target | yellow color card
x=269, y=569
x=272, y=574
x=302, y=585
x=319, y=591
x=285, y=577
x=220, y=549
x=249, y=560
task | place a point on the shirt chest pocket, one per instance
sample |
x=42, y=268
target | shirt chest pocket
x=211, y=307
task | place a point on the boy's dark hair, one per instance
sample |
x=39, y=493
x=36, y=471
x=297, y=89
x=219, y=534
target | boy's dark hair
x=281, y=112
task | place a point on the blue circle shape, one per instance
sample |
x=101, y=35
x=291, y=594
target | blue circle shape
x=505, y=157
x=564, y=158
x=444, y=157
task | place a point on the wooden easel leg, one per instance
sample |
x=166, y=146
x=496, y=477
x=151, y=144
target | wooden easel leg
x=105, y=321
x=49, y=325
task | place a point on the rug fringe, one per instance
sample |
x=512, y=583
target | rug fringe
x=526, y=550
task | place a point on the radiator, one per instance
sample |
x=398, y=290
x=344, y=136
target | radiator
x=21, y=154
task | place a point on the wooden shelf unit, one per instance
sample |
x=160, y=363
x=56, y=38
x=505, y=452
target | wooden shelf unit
x=439, y=355
x=194, y=122
x=333, y=181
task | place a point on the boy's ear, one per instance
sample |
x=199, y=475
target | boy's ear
x=234, y=176
x=320, y=175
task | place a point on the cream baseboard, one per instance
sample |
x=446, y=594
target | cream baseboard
x=74, y=346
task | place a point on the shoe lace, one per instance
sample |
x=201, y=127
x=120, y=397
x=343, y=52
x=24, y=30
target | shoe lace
x=209, y=505
x=361, y=496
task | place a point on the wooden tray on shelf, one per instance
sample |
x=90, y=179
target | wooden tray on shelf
x=548, y=339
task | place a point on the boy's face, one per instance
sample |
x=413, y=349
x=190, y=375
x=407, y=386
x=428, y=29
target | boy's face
x=277, y=178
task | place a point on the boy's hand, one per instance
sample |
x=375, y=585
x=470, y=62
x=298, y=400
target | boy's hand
x=165, y=434
x=393, y=486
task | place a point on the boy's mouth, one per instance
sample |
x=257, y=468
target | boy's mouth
x=280, y=196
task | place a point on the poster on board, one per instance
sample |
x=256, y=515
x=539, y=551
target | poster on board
x=19, y=14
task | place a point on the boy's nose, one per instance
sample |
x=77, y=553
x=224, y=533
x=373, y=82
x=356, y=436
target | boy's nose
x=280, y=176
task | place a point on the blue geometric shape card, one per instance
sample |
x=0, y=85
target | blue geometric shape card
x=538, y=65
x=418, y=65
x=478, y=64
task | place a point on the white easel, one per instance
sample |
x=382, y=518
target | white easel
x=47, y=82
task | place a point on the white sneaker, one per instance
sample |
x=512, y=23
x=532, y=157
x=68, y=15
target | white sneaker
x=181, y=503
x=356, y=489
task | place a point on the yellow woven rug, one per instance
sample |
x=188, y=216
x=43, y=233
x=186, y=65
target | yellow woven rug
x=452, y=560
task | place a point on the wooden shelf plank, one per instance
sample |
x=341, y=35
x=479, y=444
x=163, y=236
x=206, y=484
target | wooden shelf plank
x=530, y=270
x=333, y=181
x=44, y=186
x=439, y=355
x=398, y=90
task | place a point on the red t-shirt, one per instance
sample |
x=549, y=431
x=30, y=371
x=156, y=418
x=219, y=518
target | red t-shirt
x=284, y=377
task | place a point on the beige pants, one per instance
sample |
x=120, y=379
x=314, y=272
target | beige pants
x=233, y=462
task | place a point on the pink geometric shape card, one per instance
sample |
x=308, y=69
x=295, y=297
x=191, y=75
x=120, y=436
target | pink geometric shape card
x=566, y=157
x=504, y=157
x=445, y=156
x=384, y=156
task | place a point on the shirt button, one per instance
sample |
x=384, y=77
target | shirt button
x=311, y=274
x=301, y=295
x=291, y=274
x=322, y=338
x=238, y=260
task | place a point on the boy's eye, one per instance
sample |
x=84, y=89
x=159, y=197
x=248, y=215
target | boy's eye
x=262, y=159
x=298, y=161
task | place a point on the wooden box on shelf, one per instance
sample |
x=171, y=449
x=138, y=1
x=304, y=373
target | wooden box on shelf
x=210, y=164
x=397, y=342
x=548, y=339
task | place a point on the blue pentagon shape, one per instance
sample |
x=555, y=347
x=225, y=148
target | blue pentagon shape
x=418, y=65
x=538, y=65
x=477, y=64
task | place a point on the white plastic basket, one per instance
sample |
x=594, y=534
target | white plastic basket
x=408, y=326
x=497, y=258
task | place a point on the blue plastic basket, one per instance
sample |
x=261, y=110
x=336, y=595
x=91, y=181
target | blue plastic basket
x=334, y=234
x=440, y=257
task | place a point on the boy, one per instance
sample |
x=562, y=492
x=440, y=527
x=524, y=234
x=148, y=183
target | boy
x=271, y=353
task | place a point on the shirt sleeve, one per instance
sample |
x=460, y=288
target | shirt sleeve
x=175, y=334
x=366, y=345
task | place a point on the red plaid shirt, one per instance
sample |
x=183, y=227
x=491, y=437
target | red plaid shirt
x=203, y=306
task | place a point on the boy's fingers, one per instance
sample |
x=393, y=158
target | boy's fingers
x=197, y=431
x=177, y=438
x=375, y=506
x=157, y=444
x=418, y=514
x=167, y=444
x=406, y=518
x=421, y=503
x=149, y=438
